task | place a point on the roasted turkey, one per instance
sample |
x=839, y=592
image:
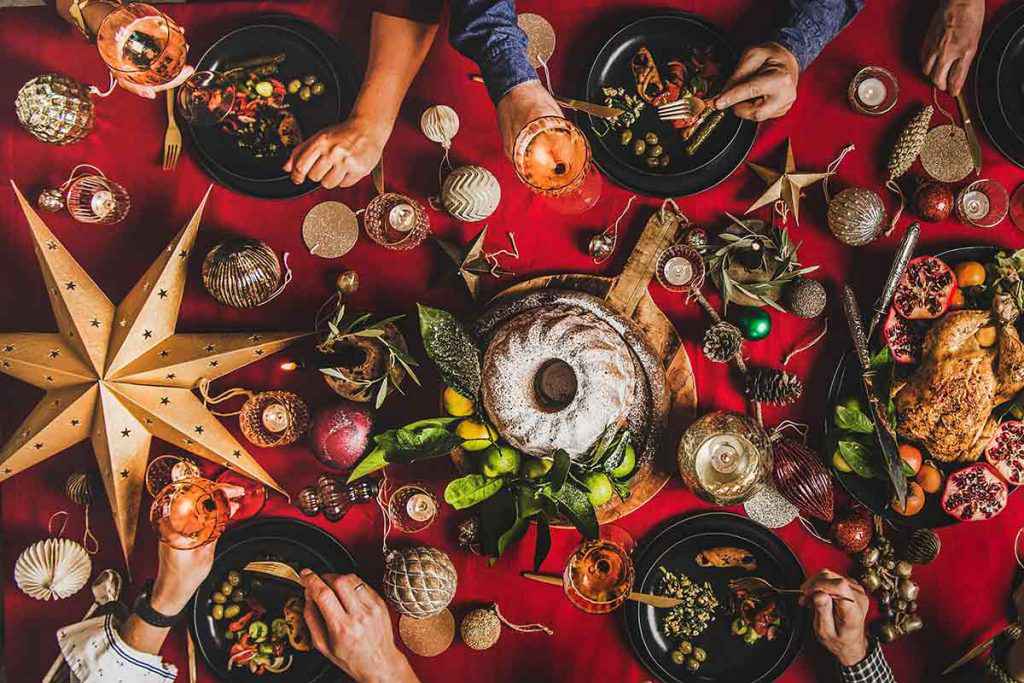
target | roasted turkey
x=947, y=403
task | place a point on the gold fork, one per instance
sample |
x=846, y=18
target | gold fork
x=276, y=569
x=761, y=588
x=172, y=138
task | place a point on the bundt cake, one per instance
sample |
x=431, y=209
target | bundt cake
x=556, y=378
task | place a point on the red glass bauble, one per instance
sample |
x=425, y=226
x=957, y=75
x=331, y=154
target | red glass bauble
x=340, y=434
x=802, y=479
x=933, y=202
x=852, y=529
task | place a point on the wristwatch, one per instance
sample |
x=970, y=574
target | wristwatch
x=145, y=610
x=77, y=12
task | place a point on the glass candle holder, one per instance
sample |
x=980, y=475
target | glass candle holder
x=873, y=91
x=396, y=221
x=94, y=198
x=142, y=45
x=680, y=268
x=983, y=204
x=205, y=98
x=412, y=508
x=598, y=576
x=165, y=469
x=725, y=458
x=1017, y=207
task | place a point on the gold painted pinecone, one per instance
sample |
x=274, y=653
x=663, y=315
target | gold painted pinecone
x=419, y=582
x=480, y=629
x=722, y=341
x=909, y=143
x=776, y=387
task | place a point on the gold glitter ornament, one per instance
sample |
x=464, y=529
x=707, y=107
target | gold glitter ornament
x=330, y=229
x=946, y=154
x=55, y=109
x=347, y=282
x=856, y=216
x=440, y=123
x=470, y=193
x=480, y=629
x=769, y=508
x=540, y=38
x=904, y=153
x=427, y=637
x=419, y=582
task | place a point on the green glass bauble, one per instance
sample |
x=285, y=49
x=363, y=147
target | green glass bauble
x=754, y=323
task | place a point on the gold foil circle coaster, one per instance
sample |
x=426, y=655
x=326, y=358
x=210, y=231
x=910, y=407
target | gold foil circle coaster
x=330, y=229
x=946, y=155
x=540, y=37
x=428, y=637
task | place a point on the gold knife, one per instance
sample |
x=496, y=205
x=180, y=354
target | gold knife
x=975, y=652
x=646, y=598
x=972, y=135
x=598, y=110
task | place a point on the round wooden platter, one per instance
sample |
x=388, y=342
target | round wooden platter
x=627, y=295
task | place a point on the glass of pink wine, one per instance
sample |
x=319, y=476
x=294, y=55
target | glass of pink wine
x=551, y=156
x=142, y=45
x=599, y=574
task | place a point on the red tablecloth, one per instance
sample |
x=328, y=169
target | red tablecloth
x=963, y=594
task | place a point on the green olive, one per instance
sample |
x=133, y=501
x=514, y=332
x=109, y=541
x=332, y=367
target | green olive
x=639, y=147
x=226, y=588
x=692, y=664
x=663, y=161
x=686, y=647
x=651, y=138
x=655, y=150
x=293, y=87
x=219, y=598
x=231, y=611
x=678, y=657
x=699, y=654
x=651, y=162
x=318, y=88
x=626, y=137
x=309, y=79
x=234, y=578
x=217, y=612
x=305, y=93
x=238, y=595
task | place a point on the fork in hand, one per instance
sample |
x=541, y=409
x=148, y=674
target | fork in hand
x=759, y=588
x=683, y=108
x=172, y=138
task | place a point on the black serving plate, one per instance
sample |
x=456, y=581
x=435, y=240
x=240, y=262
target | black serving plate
x=730, y=660
x=875, y=493
x=296, y=543
x=998, y=89
x=666, y=35
x=309, y=51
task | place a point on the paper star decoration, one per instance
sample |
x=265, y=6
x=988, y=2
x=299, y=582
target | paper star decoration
x=785, y=185
x=121, y=375
x=473, y=263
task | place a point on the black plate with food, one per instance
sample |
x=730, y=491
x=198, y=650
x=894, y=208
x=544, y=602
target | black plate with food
x=999, y=97
x=247, y=626
x=656, y=60
x=957, y=446
x=290, y=80
x=743, y=640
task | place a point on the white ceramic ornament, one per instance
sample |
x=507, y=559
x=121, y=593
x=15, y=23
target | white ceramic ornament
x=470, y=193
x=440, y=124
x=52, y=569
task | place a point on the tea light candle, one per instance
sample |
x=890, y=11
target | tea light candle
x=975, y=205
x=275, y=418
x=871, y=92
x=725, y=458
x=421, y=507
x=678, y=271
x=102, y=203
x=402, y=217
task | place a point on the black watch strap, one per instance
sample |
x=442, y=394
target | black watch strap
x=145, y=611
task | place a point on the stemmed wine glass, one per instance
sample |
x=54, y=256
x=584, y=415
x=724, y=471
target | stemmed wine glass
x=551, y=156
x=142, y=45
x=599, y=574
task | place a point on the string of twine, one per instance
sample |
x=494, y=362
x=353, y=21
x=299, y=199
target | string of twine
x=287, y=279
x=800, y=349
x=89, y=541
x=93, y=90
x=675, y=207
x=381, y=501
x=799, y=427
x=613, y=229
x=781, y=209
x=492, y=257
x=63, y=526
x=208, y=400
x=547, y=73
x=809, y=528
x=833, y=168
x=942, y=110
x=446, y=164
x=893, y=186
x=522, y=628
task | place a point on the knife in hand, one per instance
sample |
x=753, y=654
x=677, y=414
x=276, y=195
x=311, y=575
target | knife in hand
x=883, y=428
x=972, y=135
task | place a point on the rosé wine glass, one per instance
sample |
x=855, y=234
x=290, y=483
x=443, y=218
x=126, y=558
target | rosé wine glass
x=599, y=575
x=142, y=45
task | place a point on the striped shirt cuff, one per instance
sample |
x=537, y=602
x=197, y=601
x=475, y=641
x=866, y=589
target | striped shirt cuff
x=95, y=652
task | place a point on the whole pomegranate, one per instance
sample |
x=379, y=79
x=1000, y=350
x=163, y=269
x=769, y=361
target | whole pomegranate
x=974, y=493
x=852, y=529
x=341, y=433
x=933, y=202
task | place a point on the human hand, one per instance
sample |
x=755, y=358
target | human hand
x=763, y=86
x=951, y=43
x=349, y=624
x=179, y=574
x=341, y=155
x=521, y=105
x=838, y=624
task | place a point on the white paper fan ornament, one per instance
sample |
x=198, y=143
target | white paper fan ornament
x=53, y=569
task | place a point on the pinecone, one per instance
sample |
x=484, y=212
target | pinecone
x=909, y=143
x=722, y=341
x=768, y=385
x=469, y=535
x=419, y=582
x=806, y=298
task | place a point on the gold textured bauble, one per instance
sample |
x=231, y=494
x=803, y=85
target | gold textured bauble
x=470, y=193
x=440, y=123
x=243, y=273
x=480, y=629
x=419, y=582
x=856, y=216
x=946, y=154
x=330, y=229
x=428, y=637
x=55, y=109
x=347, y=282
x=540, y=38
x=274, y=418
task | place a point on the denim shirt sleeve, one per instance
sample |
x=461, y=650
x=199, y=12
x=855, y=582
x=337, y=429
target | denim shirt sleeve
x=813, y=23
x=486, y=31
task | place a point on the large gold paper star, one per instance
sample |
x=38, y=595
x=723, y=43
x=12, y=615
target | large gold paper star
x=785, y=185
x=122, y=376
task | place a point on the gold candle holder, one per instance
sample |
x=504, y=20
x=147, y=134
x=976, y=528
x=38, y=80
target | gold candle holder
x=725, y=458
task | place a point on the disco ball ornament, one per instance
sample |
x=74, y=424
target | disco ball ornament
x=856, y=216
x=470, y=193
x=55, y=109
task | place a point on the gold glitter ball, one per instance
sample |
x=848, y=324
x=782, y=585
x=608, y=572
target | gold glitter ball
x=347, y=282
x=427, y=637
x=330, y=229
x=770, y=509
x=540, y=37
x=946, y=155
x=480, y=629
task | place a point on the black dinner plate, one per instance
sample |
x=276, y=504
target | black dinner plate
x=309, y=51
x=666, y=35
x=875, y=493
x=999, y=97
x=730, y=660
x=291, y=541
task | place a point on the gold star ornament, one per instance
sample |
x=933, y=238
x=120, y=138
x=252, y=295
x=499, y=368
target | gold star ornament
x=120, y=375
x=785, y=185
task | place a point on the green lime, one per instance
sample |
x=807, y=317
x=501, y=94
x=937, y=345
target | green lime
x=535, y=468
x=599, y=488
x=839, y=463
x=499, y=460
x=475, y=435
x=628, y=464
